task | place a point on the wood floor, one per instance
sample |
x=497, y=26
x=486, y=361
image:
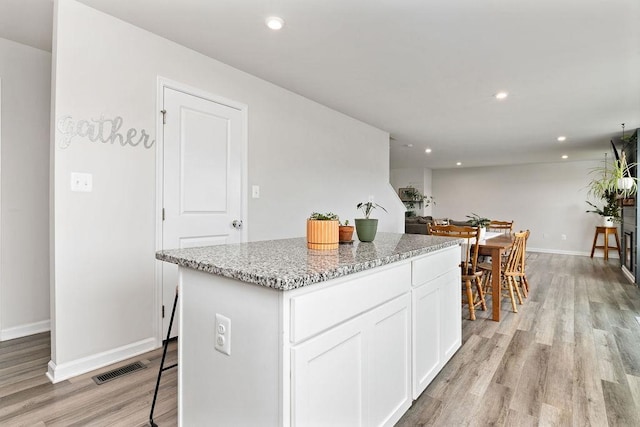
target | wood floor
x=570, y=357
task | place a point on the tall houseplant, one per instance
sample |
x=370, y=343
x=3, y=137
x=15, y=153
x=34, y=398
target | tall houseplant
x=366, y=228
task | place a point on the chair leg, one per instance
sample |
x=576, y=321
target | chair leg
x=483, y=303
x=513, y=299
x=516, y=287
x=525, y=283
x=472, y=309
x=486, y=282
x=523, y=286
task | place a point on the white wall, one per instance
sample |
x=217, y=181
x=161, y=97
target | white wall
x=304, y=156
x=549, y=199
x=25, y=73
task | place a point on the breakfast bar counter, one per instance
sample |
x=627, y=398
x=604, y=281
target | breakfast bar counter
x=272, y=333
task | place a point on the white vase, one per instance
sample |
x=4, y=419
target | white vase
x=607, y=221
x=483, y=232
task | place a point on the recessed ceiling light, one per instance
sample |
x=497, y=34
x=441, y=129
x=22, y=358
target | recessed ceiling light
x=501, y=95
x=562, y=138
x=459, y=164
x=428, y=150
x=564, y=156
x=275, y=22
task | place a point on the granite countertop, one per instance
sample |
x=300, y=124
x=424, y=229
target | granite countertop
x=287, y=264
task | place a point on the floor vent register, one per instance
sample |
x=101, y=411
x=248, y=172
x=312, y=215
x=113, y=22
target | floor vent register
x=117, y=373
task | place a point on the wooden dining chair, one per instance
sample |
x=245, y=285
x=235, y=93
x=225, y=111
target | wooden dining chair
x=505, y=227
x=510, y=272
x=471, y=275
x=522, y=278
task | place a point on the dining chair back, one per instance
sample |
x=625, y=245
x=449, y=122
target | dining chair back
x=505, y=227
x=524, y=283
x=469, y=263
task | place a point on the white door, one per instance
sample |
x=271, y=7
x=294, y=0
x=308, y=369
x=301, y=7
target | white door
x=203, y=161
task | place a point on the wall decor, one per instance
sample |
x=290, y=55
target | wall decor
x=102, y=130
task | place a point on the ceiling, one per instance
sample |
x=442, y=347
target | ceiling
x=425, y=71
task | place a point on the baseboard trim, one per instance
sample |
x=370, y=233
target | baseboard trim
x=64, y=371
x=628, y=275
x=612, y=254
x=25, y=330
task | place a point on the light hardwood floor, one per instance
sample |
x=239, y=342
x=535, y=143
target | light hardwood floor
x=570, y=357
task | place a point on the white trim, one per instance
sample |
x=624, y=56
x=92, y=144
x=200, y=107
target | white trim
x=244, y=110
x=628, y=275
x=25, y=330
x=64, y=371
x=577, y=253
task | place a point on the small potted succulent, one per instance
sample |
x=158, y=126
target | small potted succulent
x=366, y=227
x=345, y=232
x=322, y=231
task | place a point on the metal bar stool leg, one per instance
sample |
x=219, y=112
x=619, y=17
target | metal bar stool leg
x=164, y=355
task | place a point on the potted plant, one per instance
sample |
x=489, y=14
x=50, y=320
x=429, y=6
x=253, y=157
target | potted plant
x=322, y=231
x=409, y=195
x=345, y=232
x=613, y=177
x=366, y=227
x=610, y=212
x=476, y=220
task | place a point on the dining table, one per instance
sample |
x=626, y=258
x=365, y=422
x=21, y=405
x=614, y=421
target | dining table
x=494, y=245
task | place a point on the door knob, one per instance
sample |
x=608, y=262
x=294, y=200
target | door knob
x=237, y=224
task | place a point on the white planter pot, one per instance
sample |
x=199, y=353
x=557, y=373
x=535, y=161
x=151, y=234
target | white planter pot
x=483, y=232
x=607, y=221
x=625, y=183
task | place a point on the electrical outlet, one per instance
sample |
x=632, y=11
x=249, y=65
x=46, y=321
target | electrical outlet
x=563, y=237
x=223, y=334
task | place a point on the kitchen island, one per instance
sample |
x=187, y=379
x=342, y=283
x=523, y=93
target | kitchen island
x=275, y=334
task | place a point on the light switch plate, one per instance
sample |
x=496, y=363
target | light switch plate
x=82, y=182
x=255, y=191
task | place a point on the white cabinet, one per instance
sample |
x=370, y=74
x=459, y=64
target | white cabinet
x=351, y=351
x=357, y=373
x=436, y=315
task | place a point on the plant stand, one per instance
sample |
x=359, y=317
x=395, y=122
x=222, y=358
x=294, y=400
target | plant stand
x=605, y=247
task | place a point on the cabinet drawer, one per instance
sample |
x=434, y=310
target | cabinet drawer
x=316, y=311
x=435, y=264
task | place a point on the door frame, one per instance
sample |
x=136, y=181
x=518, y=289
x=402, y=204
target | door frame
x=163, y=83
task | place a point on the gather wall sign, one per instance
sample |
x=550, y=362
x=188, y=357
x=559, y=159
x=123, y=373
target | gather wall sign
x=105, y=130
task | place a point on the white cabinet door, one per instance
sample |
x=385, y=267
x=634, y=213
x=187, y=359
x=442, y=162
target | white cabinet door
x=390, y=354
x=437, y=329
x=451, y=336
x=357, y=373
x=427, y=308
x=328, y=375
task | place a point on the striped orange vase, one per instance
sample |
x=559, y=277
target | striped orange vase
x=322, y=234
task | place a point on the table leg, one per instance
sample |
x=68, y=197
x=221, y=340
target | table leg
x=595, y=240
x=606, y=245
x=496, y=292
